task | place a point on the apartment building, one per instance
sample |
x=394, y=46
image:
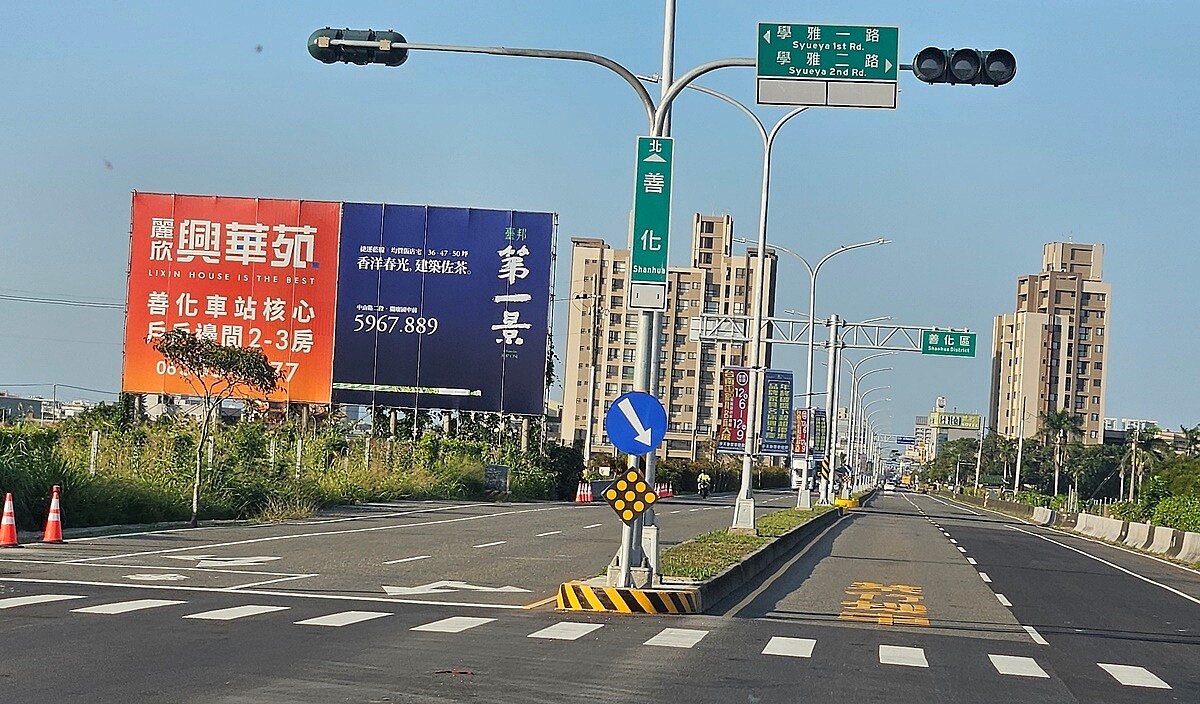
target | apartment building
x=601, y=348
x=1049, y=354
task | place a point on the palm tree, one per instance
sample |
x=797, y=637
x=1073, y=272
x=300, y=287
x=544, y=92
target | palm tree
x=1060, y=427
x=1191, y=441
x=1146, y=450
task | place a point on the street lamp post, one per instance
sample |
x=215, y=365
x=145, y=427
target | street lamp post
x=862, y=423
x=743, y=514
x=806, y=465
x=854, y=381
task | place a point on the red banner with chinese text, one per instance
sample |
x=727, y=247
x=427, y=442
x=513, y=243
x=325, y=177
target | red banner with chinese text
x=251, y=272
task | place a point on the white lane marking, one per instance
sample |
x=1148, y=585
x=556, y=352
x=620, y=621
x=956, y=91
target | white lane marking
x=36, y=599
x=236, y=612
x=1134, y=676
x=1016, y=665
x=971, y=561
x=258, y=592
x=597, y=525
x=984, y=576
x=567, y=630
x=322, y=534
x=454, y=624
x=408, y=559
x=960, y=508
x=953, y=541
x=962, y=549
x=490, y=545
x=1037, y=637
x=273, y=581
x=790, y=647
x=124, y=607
x=1101, y=560
x=692, y=510
x=677, y=638
x=1003, y=600
x=900, y=655
x=679, y=511
x=552, y=532
x=343, y=618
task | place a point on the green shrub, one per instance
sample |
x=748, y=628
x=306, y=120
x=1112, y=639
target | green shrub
x=1179, y=512
x=1127, y=511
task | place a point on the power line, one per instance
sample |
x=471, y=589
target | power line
x=76, y=303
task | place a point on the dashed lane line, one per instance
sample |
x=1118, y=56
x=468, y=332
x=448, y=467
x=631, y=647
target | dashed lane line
x=1003, y=600
x=548, y=533
x=343, y=618
x=408, y=559
x=597, y=525
x=1133, y=676
x=901, y=655
x=454, y=624
x=491, y=544
x=677, y=638
x=236, y=612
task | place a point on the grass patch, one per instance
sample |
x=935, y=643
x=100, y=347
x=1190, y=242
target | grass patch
x=708, y=554
x=286, y=508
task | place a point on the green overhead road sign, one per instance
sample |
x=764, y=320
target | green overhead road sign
x=651, y=221
x=828, y=65
x=948, y=344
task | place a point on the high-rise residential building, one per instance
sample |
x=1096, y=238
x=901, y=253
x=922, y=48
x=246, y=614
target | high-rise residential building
x=1050, y=353
x=601, y=348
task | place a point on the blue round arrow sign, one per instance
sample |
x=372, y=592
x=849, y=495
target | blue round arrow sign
x=636, y=423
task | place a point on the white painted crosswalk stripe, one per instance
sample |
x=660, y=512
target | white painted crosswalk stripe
x=567, y=630
x=901, y=655
x=984, y=576
x=1134, y=676
x=13, y=601
x=971, y=561
x=1003, y=600
x=454, y=624
x=790, y=647
x=124, y=607
x=343, y=618
x=1037, y=637
x=677, y=638
x=1017, y=665
x=236, y=612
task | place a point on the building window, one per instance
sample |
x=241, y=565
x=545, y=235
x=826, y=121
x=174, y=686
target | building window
x=627, y=356
x=1096, y=383
x=630, y=337
x=614, y=319
x=626, y=372
x=614, y=336
x=705, y=258
x=1092, y=435
x=1095, y=417
x=618, y=267
x=740, y=273
x=739, y=308
x=706, y=242
x=626, y=388
x=676, y=409
x=610, y=389
x=1098, y=366
x=610, y=371
x=631, y=319
x=617, y=302
x=1083, y=333
x=707, y=226
x=677, y=358
x=618, y=284
x=1099, y=332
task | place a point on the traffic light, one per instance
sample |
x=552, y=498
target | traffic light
x=970, y=66
x=376, y=48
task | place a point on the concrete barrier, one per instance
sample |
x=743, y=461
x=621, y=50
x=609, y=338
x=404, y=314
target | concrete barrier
x=1042, y=515
x=1161, y=539
x=1138, y=535
x=1190, y=552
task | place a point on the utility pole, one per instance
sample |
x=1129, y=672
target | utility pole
x=1020, y=447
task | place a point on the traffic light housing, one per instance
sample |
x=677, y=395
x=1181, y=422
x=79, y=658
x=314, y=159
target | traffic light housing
x=322, y=48
x=967, y=66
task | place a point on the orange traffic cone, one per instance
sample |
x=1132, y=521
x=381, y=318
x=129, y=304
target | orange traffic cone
x=53, y=532
x=8, y=525
x=579, y=493
x=671, y=489
x=587, y=492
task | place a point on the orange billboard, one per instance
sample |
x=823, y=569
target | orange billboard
x=251, y=272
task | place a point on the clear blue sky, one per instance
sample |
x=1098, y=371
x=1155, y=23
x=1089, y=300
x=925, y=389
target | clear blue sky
x=1095, y=140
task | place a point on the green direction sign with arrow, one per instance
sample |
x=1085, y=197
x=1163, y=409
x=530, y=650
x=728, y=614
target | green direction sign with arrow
x=828, y=65
x=828, y=51
x=948, y=344
x=651, y=221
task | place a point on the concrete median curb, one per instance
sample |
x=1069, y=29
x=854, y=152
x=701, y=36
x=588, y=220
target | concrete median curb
x=738, y=575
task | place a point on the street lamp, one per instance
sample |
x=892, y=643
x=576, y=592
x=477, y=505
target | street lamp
x=743, y=514
x=858, y=439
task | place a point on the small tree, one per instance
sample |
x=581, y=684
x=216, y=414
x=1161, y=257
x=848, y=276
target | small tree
x=215, y=372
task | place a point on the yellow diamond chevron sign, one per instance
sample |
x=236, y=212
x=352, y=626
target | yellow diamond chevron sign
x=630, y=495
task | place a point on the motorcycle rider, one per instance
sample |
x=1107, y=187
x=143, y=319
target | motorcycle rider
x=703, y=482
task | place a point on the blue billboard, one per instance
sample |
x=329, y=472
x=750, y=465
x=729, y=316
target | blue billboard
x=444, y=308
x=776, y=413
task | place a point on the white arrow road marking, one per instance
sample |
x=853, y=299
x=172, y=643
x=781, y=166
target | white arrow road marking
x=641, y=433
x=447, y=586
x=214, y=561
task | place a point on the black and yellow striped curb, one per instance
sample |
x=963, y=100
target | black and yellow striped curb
x=577, y=596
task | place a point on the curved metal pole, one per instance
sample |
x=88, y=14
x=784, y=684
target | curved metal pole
x=652, y=116
x=682, y=82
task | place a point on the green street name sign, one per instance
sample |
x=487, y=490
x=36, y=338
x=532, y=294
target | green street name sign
x=828, y=51
x=651, y=222
x=828, y=65
x=948, y=344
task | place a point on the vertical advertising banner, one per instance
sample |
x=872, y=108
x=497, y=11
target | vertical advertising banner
x=443, y=308
x=250, y=272
x=820, y=434
x=776, y=413
x=735, y=401
x=800, y=442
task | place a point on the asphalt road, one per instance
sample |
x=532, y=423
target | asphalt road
x=884, y=607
